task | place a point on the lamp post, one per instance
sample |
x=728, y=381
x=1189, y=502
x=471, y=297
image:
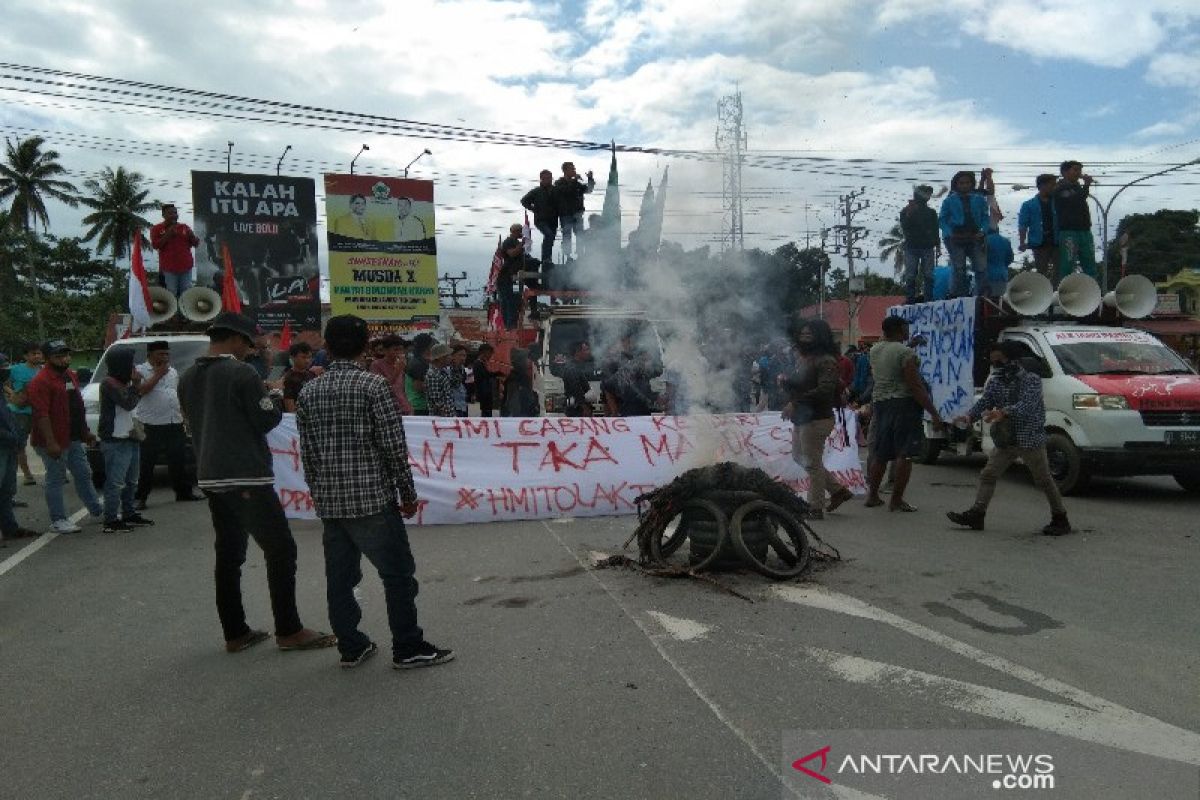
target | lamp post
x=359, y=153
x=229, y=157
x=425, y=152
x=279, y=163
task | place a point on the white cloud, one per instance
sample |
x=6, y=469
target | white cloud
x=1175, y=69
x=1160, y=129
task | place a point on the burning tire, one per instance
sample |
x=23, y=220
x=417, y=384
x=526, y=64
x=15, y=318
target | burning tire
x=792, y=551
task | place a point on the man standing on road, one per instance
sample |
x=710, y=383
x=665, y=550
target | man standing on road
x=1073, y=218
x=439, y=386
x=1035, y=228
x=356, y=462
x=577, y=384
x=301, y=356
x=159, y=413
x=19, y=377
x=485, y=380
x=9, y=436
x=1012, y=404
x=174, y=242
x=230, y=414
x=119, y=396
x=416, y=373
x=60, y=435
x=898, y=396
x=540, y=200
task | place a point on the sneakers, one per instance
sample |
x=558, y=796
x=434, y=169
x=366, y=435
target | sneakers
x=425, y=655
x=115, y=526
x=64, y=526
x=350, y=662
x=971, y=518
x=138, y=521
x=1059, y=525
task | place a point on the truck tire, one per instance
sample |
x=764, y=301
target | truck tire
x=931, y=449
x=1066, y=464
x=1188, y=481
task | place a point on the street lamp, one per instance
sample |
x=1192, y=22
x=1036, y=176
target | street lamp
x=356, y=155
x=229, y=157
x=279, y=163
x=425, y=152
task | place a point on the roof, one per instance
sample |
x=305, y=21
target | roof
x=871, y=311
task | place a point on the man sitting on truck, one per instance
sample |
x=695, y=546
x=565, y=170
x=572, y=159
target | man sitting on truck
x=1012, y=400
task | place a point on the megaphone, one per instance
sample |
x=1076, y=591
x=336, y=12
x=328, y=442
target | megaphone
x=199, y=304
x=1029, y=294
x=1078, y=294
x=1133, y=297
x=162, y=305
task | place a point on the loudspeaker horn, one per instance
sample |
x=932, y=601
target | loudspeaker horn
x=200, y=304
x=162, y=305
x=1134, y=296
x=1029, y=294
x=1078, y=294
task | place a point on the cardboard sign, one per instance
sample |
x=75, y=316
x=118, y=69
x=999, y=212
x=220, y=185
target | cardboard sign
x=948, y=355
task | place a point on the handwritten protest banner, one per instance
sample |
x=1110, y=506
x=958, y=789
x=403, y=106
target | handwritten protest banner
x=485, y=470
x=948, y=354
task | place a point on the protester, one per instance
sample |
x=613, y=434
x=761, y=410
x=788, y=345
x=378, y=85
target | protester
x=10, y=435
x=626, y=387
x=230, y=413
x=965, y=221
x=1073, y=221
x=1012, y=404
x=922, y=246
x=439, y=385
x=415, y=374
x=1035, y=228
x=120, y=442
x=577, y=383
x=507, y=283
x=391, y=366
x=162, y=425
x=19, y=376
x=485, y=380
x=458, y=379
x=355, y=459
x=999, y=257
x=261, y=354
x=540, y=200
x=520, y=399
x=174, y=242
x=898, y=395
x=568, y=201
x=814, y=392
x=300, y=373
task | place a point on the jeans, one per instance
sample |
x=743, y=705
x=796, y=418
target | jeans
x=177, y=282
x=74, y=458
x=383, y=539
x=548, y=230
x=237, y=515
x=170, y=441
x=121, y=457
x=959, y=253
x=808, y=450
x=918, y=273
x=1000, y=459
x=8, y=490
x=572, y=226
x=510, y=303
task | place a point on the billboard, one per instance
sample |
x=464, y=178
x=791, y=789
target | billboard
x=268, y=223
x=382, y=250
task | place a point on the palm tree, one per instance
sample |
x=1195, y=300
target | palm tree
x=892, y=246
x=28, y=176
x=118, y=202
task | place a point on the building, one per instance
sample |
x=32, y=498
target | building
x=868, y=323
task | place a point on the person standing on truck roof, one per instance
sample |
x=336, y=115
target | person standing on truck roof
x=174, y=242
x=898, y=397
x=568, y=201
x=1013, y=395
x=1035, y=228
x=999, y=256
x=922, y=246
x=540, y=200
x=965, y=220
x=1073, y=218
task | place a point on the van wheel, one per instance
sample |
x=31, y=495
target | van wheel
x=1188, y=481
x=1066, y=464
x=930, y=450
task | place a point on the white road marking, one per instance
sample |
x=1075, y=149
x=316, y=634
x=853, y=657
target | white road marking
x=1099, y=721
x=37, y=544
x=685, y=630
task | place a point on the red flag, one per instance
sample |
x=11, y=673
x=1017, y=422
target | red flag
x=139, y=287
x=495, y=318
x=285, y=338
x=497, y=263
x=230, y=299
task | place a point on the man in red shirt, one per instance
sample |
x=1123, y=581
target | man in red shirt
x=174, y=242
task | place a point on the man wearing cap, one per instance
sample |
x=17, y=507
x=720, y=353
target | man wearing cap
x=355, y=459
x=10, y=435
x=60, y=434
x=439, y=387
x=174, y=242
x=230, y=413
x=162, y=420
x=922, y=246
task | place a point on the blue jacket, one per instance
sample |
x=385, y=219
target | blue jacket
x=1029, y=219
x=999, y=256
x=951, y=215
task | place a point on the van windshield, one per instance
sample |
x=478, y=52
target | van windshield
x=1120, y=358
x=183, y=355
x=604, y=336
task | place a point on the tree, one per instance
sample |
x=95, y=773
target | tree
x=28, y=176
x=892, y=246
x=1159, y=245
x=118, y=202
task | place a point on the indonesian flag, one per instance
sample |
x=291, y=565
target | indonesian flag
x=527, y=234
x=495, y=318
x=497, y=264
x=285, y=338
x=139, y=287
x=230, y=299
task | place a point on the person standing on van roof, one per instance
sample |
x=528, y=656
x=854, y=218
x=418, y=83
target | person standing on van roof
x=162, y=421
x=1012, y=404
x=922, y=245
x=568, y=200
x=965, y=220
x=1073, y=221
x=1035, y=228
x=174, y=242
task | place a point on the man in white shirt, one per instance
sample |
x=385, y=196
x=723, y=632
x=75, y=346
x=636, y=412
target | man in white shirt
x=159, y=413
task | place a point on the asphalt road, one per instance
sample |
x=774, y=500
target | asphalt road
x=575, y=682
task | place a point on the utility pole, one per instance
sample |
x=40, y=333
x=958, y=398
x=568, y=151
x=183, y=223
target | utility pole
x=731, y=141
x=452, y=294
x=846, y=236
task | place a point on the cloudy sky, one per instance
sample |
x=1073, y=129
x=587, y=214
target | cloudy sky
x=836, y=95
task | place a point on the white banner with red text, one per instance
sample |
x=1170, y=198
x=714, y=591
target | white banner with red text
x=476, y=469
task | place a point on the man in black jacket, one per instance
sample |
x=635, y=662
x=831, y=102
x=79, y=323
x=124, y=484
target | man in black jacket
x=568, y=200
x=230, y=413
x=540, y=200
x=576, y=378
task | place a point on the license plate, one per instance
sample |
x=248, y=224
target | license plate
x=1183, y=437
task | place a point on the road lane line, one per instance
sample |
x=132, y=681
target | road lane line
x=37, y=544
x=685, y=630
